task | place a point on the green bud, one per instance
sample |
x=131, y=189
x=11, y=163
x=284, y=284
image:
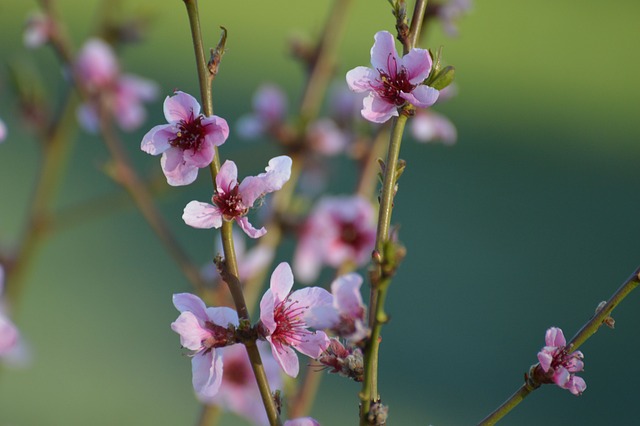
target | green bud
x=443, y=78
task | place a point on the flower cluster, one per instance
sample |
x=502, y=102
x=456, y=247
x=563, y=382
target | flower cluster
x=9, y=335
x=97, y=69
x=560, y=364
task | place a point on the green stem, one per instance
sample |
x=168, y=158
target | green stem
x=377, y=315
x=581, y=336
x=416, y=24
x=209, y=415
x=205, y=79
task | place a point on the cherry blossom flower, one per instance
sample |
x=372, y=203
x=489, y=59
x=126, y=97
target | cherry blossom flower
x=302, y=421
x=239, y=391
x=232, y=200
x=98, y=70
x=326, y=138
x=393, y=81
x=450, y=12
x=187, y=142
x=338, y=230
x=347, y=315
x=282, y=314
x=269, y=109
x=345, y=361
x=429, y=126
x=203, y=330
x=37, y=30
x=559, y=365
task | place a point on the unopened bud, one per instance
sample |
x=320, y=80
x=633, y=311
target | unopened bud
x=443, y=78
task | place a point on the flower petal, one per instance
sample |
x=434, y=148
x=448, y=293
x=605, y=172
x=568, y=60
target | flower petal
x=267, y=306
x=189, y=327
x=422, y=96
x=277, y=173
x=321, y=317
x=286, y=358
x=227, y=177
x=217, y=130
x=347, y=297
x=378, y=110
x=222, y=316
x=187, y=302
x=156, y=141
x=360, y=79
x=554, y=337
x=383, y=51
x=180, y=106
x=202, y=215
x=246, y=226
x=281, y=281
x=311, y=296
x=207, y=373
x=313, y=344
x=418, y=65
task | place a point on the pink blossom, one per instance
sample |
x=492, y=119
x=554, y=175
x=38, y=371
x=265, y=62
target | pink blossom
x=232, y=200
x=338, y=230
x=239, y=391
x=393, y=81
x=37, y=30
x=326, y=138
x=9, y=335
x=187, y=143
x=429, y=126
x=302, y=421
x=450, y=12
x=282, y=314
x=269, y=109
x=559, y=364
x=202, y=330
x=347, y=315
x=122, y=95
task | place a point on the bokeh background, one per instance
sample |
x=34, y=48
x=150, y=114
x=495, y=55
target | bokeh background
x=528, y=222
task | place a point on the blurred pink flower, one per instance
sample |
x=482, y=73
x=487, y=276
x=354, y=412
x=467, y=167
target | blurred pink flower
x=269, y=109
x=203, y=330
x=282, y=314
x=302, y=421
x=239, y=391
x=393, y=81
x=560, y=365
x=122, y=94
x=346, y=316
x=450, y=12
x=3, y=131
x=9, y=335
x=428, y=125
x=232, y=200
x=37, y=30
x=187, y=143
x=338, y=230
x=326, y=138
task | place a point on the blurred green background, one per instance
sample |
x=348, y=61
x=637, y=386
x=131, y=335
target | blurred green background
x=528, y=222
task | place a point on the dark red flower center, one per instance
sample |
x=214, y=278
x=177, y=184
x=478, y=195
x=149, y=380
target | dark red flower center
x=190, y=134
x=230, y=202
x=394, y=82
x=351, y=235
x=237, y=372
x=219, y=336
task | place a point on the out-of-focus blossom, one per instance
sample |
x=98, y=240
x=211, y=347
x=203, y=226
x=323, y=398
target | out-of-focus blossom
x=122, y=95
x=202, y=330
x=346, y=361
x=428, y=126
x=344, y=104
x=188, y=142
x=9, y=335
x=3, y=131
x=559, y=364
x=269, y=109
x=302, y=421
x=450, y=12
x=338, y=230
x=346, y=317
x=250, y=262
x=239, y=391
x=393, y=81
x=232, y=200
x=282, y=314
x=37, y=30
x=326, y=138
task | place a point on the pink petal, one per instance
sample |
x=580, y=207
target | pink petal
x=187, y=302
x=156, y=141
x=360, y=79
x=422, y=96
x=576, y=385
x=307, y=261
x=255, y=260
x=378, y=110
x=171, y=159
x=88, y=117
x=8, y=335
x=281, y=281
x=418, y=65
x=222, y=316
x=286, y=358
x=347, y=297
x=561, y=377
x=554, y=337
x=217, y=130
x=302, y=421
x=199, y=158
x=202, y=215
x=270, y=103
x=267, y=306
x=313, y=344
x=277, y=173
x=191, y=332
x=246, y=226
x=138, y=88
x=545, y=356
x=429, y=125
x=383, y=51
x=311, y=296
x=180, y=106
x=207, y=373
x=250, y=126
x=182, y=175
x=227, y=177
x=321, y=317
x=96, y=64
